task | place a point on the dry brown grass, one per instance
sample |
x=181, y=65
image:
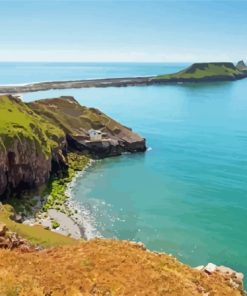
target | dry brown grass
x=103, y=267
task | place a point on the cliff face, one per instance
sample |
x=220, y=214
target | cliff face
x=76, y=120
x=35, y=138
x=29, y=146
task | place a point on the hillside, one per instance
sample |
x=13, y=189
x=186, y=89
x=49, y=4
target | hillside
x=76, y=120
x=35, y=139
x=28, y=146
x=205, y=72
x=106, y=267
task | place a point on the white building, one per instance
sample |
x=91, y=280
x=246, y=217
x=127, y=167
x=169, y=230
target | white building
x=95, y=135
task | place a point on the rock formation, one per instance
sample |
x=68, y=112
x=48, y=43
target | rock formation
x=76, y=120
x=35, y=138
x=241, y=66
x=10, y=240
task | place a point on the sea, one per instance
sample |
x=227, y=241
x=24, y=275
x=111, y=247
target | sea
x=187, y=195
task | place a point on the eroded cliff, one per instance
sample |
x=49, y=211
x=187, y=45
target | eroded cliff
x=76, y=120
x=35, y=138
x=28, y=147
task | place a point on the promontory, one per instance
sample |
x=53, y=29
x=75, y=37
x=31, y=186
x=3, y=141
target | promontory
x=198, y=72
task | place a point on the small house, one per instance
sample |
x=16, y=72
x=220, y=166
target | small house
x=95, y=135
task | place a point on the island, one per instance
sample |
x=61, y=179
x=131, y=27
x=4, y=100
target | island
x=198, y=72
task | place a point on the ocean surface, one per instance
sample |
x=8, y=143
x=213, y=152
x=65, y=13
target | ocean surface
x=187, y=195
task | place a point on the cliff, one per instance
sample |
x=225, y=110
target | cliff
x=76, y=120
x=28, y=147
x=35, y=138
x=108, y=267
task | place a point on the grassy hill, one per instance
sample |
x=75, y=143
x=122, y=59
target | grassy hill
x=105, y=267
x=17, y=120
x=205, y=72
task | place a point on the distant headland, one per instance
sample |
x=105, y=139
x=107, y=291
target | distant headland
x=198, y=72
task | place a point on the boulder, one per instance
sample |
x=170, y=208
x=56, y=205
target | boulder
x=210, y=268
x=3, y=229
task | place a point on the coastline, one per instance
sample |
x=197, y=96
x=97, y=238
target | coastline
x=74, y=222
x=81, y=215
x=166, y=79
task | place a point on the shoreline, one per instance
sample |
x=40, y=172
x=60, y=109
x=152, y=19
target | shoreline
x=81, y=215
x=73, y=222
x=111, y=82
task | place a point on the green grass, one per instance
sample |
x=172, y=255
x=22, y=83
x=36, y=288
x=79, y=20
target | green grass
x=18, y=121
x=36, y=235
x=73, y=118
x=205, y=70
x=54, y=224
x=56, y=188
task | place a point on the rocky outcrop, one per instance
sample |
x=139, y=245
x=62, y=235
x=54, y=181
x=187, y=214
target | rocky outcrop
x=10, y=240
x=35, y=139
x=241, y=66
x=235, y=279
x=76, y=120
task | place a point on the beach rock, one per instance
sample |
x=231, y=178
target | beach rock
x=210, y=268
x=236, y=278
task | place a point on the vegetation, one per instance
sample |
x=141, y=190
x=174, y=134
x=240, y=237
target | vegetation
x=104, y=267
x=17, y=120
x=205, y=70
x=36, y=234
x=57, y=187
x=73, y=118
x=54, y=224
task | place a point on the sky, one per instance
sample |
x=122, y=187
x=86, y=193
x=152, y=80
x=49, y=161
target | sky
x=121, y=31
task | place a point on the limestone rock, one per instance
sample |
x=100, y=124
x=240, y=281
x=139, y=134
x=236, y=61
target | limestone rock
x=210, y=268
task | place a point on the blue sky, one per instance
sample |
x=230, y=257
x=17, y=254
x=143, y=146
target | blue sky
x=105, y=30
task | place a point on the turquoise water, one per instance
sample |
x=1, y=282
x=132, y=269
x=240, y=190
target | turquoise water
x=187, y=195
x=19, y=73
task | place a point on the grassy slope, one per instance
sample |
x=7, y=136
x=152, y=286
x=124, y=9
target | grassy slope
x=17, y=120
x=72, y=117
x=104, y=267
x=205, y=70
x=36, y=235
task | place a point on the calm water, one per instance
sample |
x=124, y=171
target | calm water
x=188, y=194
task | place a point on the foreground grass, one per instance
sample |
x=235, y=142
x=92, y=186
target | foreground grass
x=36, y=234
x=104, y=267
